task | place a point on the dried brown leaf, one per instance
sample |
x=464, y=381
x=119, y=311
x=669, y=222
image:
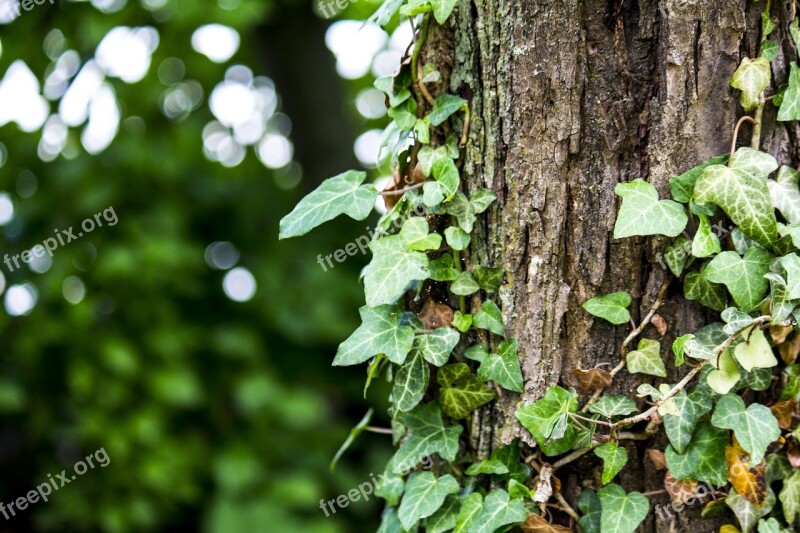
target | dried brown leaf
x=790, y=349
x=592, y=380
x=783, y=411
x=435, y=315
x=679, y=490
x=537, y=524
x=657, y=458
x=660, y=324
x=749, y=481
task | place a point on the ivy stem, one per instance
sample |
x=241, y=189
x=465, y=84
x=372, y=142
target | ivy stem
x=755, y=142
x=745, y=118
x=404, y=190
x=423, y=34
x=462, y=302
x=585, y=419
x=383, y=431
x=567, y=508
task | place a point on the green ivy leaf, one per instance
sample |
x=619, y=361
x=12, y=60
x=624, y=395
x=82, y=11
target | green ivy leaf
x=462, y=209
x=790, y=106
x=411, y=382
x=422, y=130
x=443, y=268
x=726, y=376
x=782, y=306
x=705, y=341
x=389, y=522
x=481, y=199
x=679, y=348
x=746, y=513
x=487, y=466
x=445, y=104
x=437, y=345
x=547, y=418
x=461, y=392
x=705, y=242
x=689, y=409
x=769, y=50
x=704, y=458
x=384, y=14
x=489, y=318
x=646, y=359
x=612, y=307
x=464, y=285
x=498, y=510
x=754, y=351
x=390, y=489
x=618, y=405
x=503, y=367
x=445, y=518
x=791, y=231
x=518, y=490
x=682, y=187
x=428, y=435
x=755, y=427
x=342, y=194
x=471, y=507
x=509, y=456
x=425, y=493
x=785, y=194
x=643, y=214
x=446, y=185
x=791, y=265
x=614, y=458
x=790, y=497
x=697, y=287
x=489, y=279
x=677, y=255
x=735, y=320
x=457, y=238
x=752, y=78
x=383, y=330
x=741, y=191
x=589, y=505
x=396, y=263
x=778, y=469
x=429, y=156
x=622, y=512
x=405, y=114
x=462, y=321
x=744, y=277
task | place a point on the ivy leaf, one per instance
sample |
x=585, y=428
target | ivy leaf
x=411, y=382
x=697, y=287
x=643, y=214
x=792, y=232
x=464, y=285
x=509, y=456
x=705, y=242
x=752, y=78
x=437, y=345
x=489, y=279
x=446, y=185
x=481, y=199
x=461, y=392
x=744, y=277
x=704, y=458
x=782, y=306
x=478, y=353
x=785, y=194
x=489, y=318
x=755, y=427
x=390, y=489
x=471, y=507
x=395, y=264
x=754, y=351
x=384, y=14
x=384, y=329
x=503, y=367
x=498, y=510
x=705, y=341
x=790, y=497
x=682, y=187
x=735, y=320
x=428, y=436
x=749, y=481
x=389, y=522
x=443, y=268
x=425, y=493
x=487, y=466
x=622, y=512
x=342, y=194
x=790, y=106
x=618, y=405
x=429, y=156
x=612, y=307
x=677, y=255
x=646, y=359
x=679, y=348
x=457, y=238
x=741, y=191
x=791, y=265
x=445, y=104
x=769, y=50
x=725, y=377
x=445, y=518
x=689, y=408
x=746, y=513
x=547, y=418
x=462, y=322
x=589, y=505
x=614, y=458
x=462, y=209
x=518, y=490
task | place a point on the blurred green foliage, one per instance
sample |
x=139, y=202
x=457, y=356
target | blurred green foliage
x=217, y=415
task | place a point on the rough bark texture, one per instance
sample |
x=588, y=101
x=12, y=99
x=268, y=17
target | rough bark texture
x=570, y=98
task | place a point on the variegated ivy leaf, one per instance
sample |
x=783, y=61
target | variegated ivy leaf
x=489, y=318
x=752, y=78
x=464, y=285
x=457, y=238
x=706, y=242
x=384, y=330
x=790, y=105
x=471, y=506
x=389, y=521
x=645, y=389
x=754, y=351
x=489, y=279
x=792, y=231
x=697, y=287
x=771, y=525
x=782, y=306
x=769, y=50
x=547, y=418
x=690, y=408
x=791, y=265
x=746, y=513
x=410, y=383
x=443, y=268
x=705, y=341
x=614, y=458
x=498, y=510
x=342, y=194
x=487, y=466
x=646, y=359
x=755, y=427
x=462, y=209
x=677, y=255
x=445, y=104
x=790, y=497
x=741, y=190
x=503, y=367
x=682, y=187
x=429, y=156
x=785, y=194
x=481, y=199
x=425, y=493
x=509, y=456
x=445, y=518
x=460, y=391
x=396, y=262
x=612, y=307
x=704, y=458
x=744, y=277
x=437, y=345
x=643, y=214
x=428, y=435
x=384, y=14
x=617, y=405
x=735, y=320
x=390, y=489
x=622, y=512
x=723, y=378
x=445, y=185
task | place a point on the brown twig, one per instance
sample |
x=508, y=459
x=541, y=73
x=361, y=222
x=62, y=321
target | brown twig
x=383, y=431
x=404, y=190
x=567, y=508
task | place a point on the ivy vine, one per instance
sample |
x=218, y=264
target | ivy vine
x=731, y=420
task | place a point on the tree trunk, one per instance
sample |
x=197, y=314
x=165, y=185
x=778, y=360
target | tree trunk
x=570, y=98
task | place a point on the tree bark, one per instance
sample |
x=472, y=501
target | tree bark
x=570, y=98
